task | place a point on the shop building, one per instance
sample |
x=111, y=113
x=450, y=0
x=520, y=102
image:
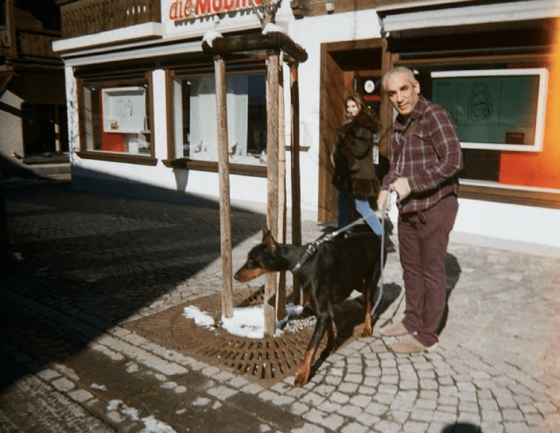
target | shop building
x=142, y=111
x=33, y=135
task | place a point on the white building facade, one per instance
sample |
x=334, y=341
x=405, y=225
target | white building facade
x=142, y=114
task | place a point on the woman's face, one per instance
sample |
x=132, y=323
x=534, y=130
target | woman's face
x=352, y=108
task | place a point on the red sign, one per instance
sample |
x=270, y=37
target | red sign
x=189, y=9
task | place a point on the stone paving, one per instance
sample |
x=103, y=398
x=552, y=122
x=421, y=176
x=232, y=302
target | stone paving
x=93, y=264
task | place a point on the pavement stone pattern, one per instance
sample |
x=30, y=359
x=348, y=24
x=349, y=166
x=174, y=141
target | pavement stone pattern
x=94, y=263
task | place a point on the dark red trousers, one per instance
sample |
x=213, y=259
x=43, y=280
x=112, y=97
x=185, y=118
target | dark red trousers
x=422, y=249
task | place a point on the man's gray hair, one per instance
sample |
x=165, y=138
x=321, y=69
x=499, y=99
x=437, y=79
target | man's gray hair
x=397, y=71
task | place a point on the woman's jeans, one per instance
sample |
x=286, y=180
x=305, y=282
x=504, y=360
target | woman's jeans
x=365, y=210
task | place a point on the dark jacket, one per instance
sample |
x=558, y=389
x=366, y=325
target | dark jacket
x=354, y=169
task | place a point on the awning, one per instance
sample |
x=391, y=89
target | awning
x=432, y=14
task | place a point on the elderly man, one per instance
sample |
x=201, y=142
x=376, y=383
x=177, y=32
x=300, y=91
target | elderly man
x=426, y=159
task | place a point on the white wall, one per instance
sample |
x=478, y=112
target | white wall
x=11, y=136
x=530, y=225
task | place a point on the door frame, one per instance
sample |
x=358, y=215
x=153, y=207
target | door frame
x=339, y=68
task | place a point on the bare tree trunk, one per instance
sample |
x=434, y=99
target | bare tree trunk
x=272, y=170
x=223, y=169
x=296, y=193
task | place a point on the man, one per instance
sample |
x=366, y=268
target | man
x=426, y=159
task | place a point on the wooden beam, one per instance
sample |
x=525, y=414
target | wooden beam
x=277, y=41
x=272, y=166
x=281, y=291
x=296, y=192
x=223, y=170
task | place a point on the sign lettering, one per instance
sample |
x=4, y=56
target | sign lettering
x=190, y=9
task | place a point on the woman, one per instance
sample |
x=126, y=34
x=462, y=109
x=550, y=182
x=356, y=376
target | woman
x=354, y=171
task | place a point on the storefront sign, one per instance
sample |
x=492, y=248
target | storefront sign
x=190, y=9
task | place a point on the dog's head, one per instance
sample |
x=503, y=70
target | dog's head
x=260, y=260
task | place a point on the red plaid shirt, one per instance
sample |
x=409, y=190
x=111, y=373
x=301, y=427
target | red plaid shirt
x=432, y=175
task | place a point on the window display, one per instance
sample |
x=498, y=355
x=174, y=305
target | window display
x=495, y=109
x=116, y=118
x=195, y=129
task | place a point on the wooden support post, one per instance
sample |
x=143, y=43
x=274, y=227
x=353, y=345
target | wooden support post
x=223, y=170
x=10, y=21
x=296, y=193
x=272, y=177
x=281, y=291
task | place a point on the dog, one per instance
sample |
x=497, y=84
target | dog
x=328, y=273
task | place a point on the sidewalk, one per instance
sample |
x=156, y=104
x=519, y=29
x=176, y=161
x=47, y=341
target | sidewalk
x=94, y=264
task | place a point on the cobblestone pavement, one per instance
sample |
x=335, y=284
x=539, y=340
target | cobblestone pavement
x=92, y=264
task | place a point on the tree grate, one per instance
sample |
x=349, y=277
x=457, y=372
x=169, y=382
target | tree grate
x=267, y=361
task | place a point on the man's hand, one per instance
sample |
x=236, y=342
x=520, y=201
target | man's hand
x=384, y=201
x=401, y=187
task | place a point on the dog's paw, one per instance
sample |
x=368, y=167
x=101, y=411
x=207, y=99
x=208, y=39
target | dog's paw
x=367, y=331
x=302, y=378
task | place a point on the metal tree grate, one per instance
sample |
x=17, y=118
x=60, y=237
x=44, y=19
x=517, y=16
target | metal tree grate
x=268, y=360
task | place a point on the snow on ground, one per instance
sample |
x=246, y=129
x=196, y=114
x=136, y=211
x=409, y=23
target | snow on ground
x=246, y=322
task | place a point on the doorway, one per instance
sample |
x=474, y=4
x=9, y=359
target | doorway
x=45, y=130
x=352, y=66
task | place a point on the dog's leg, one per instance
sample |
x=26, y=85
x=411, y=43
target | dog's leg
x=327, y=351
x=304, y=372
x=367, y=329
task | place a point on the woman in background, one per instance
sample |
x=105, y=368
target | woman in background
x=352, y=157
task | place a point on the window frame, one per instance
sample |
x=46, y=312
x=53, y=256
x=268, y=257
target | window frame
x=191, y=164
x=135, y=78
x=490, y=191
x=540, y=109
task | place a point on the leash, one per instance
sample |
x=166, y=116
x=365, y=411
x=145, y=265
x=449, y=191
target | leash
x=312, y=248
x=382, y=259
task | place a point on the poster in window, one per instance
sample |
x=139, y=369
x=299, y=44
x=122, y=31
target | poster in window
x=124, y=110
x=495, y=109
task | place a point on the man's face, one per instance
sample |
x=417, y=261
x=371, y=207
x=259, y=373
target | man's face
x=402, y=93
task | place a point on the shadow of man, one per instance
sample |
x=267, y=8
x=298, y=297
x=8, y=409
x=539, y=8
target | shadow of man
x=453, y=270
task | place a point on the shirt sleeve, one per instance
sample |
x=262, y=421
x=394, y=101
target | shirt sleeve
x=449, y=159
x=391, y=175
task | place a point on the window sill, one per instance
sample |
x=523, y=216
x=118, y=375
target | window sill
x=118, y=157
x=240, y=169
x=510, y=194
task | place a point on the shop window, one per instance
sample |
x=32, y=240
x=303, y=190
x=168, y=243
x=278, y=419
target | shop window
x=194, y=121
x=509, y=153
x=116, y=118
x=495, y=109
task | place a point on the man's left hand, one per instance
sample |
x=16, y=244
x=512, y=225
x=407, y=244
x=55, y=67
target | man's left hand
x=401, y=187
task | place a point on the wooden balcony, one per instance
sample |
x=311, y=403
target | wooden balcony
x=29, y=44
x=86, y=17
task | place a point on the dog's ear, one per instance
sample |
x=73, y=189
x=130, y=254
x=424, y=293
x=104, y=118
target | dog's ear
x=268, y=240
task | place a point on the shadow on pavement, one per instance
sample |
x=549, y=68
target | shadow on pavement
x=462, y=427
x=100, y=260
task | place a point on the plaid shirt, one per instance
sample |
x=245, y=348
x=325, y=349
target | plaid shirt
x=432, y=174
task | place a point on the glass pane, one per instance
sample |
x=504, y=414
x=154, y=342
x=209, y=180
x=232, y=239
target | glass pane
x=195, y=117
x=116, y=119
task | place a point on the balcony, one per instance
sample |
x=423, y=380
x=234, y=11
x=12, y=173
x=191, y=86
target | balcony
x=30, y=44
x=86, y=17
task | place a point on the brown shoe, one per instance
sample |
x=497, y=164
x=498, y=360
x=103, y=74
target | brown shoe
x=410, y=345
x=393, y=330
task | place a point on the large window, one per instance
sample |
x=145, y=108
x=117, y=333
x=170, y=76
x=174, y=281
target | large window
x=500, y=115
x=194, y=120
x=495, y=109
x=115, y=117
